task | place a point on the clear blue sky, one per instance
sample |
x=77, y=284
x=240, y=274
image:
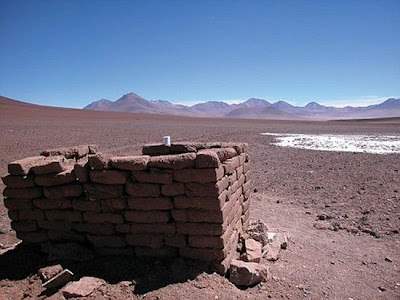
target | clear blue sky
x=69, y=53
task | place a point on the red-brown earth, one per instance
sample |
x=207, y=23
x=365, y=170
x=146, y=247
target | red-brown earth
x=355, y=256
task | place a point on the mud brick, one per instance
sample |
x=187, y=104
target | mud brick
x=241, y=180
x=27, y=193
x=33, y=237
x=173, y=189
x=103, y=191
x=150, y=252
x=155, y=149
x=113, y=204
x=207, y=189
x=30, y=214
x=231, y=253
x=174, y=162
x=147, y=240
x=163, y=203
x=239, y=171
x=81, y=169
x=65, y=236
x=11, y=203
x=23, y=166
x=18, y=182
x=107, y=241
x=13, y=214
x=24, y=226
x=247, y=176
x=44, y=203
x=67, y=215
x=232, y=178
x=247, y=194
x=232, y=198
x=247, y=186
x=208, y=255
x=183, y=202
x=225, y=153
x=246, y=167
x=246, y=220
x=243, y=158
x=108, y=176
x=94, y=217
x=147, y=216
x=185, y=147
x=143, y=189
x=68, y=152
x=199, y=175
x=61, y=225
x=197, y=216
x=64, y=177
x=93, y=148
x=97, y=229
x=52, y=164
x=204, y=241
x=210, y=145
x=233, y=188
x=199, y=228
x=176, y=241
x=241, y=199
x=130, y=163
x=86, y=205
x=63, y=191
x=239, y=147
x=99, y=161
x=231, y=164
x=153, y=176
x=215, y=242
x=207, y=159
x=108, y=251
x=223, y=266
x=123, y=228
x=165, y=228
x=246, y=206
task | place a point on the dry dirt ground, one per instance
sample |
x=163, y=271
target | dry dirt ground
x=341, y=210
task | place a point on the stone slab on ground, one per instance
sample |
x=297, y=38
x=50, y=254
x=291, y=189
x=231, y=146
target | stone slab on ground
x=82, y=288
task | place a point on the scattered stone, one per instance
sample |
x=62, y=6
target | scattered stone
x=388, y=259
x=82, y=288
x=258, y=231
x=49, y=272
x=322, y=217
x=323, y=226
x=271, y=251
x=247, y=273
x=253, y=251
x=382, y=289
x=67, y=251
x=271, y=236
x=59, y=280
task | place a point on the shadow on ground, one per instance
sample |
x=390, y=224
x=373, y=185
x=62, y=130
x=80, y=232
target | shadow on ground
x=148, y=273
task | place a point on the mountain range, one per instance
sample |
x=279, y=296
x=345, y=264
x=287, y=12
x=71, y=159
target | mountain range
x=253, y=108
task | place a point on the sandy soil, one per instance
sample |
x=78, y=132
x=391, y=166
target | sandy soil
x=342, y=210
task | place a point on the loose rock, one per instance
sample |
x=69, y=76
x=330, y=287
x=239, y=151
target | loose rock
x=247, y=273
x=82, y=288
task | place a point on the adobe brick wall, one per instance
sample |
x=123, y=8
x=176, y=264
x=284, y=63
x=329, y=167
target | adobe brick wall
x=189, y=200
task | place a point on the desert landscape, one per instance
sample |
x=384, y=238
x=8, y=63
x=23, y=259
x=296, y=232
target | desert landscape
x=340, y=209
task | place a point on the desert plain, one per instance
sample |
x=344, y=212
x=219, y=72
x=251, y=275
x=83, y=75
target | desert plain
x=341, y=210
